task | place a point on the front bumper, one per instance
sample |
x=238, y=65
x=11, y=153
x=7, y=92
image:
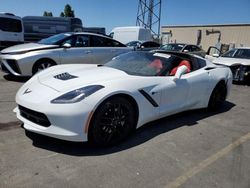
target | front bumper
x=66, y=121
x=19, y=64
x=10, y=67
x=240, y=73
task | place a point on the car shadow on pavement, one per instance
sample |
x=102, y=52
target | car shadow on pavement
x=12, y=78
x=141, y=135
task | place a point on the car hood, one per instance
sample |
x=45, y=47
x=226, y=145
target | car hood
x=231, y=61
x=69, y=77
x=27, y=47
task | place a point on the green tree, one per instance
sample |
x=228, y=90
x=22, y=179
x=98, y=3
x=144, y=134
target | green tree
x=62, y=14
x=68, y=12
x=45, y=13
x=50, y=14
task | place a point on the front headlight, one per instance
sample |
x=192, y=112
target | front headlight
x=77, y=95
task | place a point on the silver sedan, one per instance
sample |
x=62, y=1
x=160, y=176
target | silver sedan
x=66, y=48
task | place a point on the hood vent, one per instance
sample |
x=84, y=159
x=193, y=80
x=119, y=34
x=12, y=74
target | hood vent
x=65, y=76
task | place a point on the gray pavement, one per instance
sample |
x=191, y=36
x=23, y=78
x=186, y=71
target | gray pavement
x=195, y=149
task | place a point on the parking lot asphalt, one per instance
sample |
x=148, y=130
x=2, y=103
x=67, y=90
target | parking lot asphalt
x=195, y=149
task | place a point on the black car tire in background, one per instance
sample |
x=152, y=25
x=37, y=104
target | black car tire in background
x=42, y=64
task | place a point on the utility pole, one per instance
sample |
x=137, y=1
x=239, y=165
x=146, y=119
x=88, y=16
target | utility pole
x=149, y=15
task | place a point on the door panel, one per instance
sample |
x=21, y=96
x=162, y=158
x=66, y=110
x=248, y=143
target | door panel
x=119, y=50
x=199, y=82
x=80, y=51
x=102, y=55
x=77, y=55
x=173, y=95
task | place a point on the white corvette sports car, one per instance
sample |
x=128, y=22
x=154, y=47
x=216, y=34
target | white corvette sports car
x=104, y=103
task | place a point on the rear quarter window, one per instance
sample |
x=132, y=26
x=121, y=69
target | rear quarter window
x=201, y=63
x=104, y=42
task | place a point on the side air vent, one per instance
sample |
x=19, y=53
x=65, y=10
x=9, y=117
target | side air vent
x=65, y=76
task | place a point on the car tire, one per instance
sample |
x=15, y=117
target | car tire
x=112, y=122
x=42, y=64
x=218, y=96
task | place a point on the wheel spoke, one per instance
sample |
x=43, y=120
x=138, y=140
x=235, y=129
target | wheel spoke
x=119, y=130
x=114, y=121
x=108, y=135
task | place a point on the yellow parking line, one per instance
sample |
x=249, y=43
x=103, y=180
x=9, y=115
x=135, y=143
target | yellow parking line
x=205, y=163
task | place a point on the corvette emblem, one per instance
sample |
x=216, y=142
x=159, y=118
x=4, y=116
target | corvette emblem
x=27, y=91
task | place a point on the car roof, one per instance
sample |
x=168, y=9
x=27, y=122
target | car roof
x=186, y=55
x=184, y=44
x=87, y=33
x=243, y=48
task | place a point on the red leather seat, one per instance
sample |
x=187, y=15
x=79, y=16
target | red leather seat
x=183, y=62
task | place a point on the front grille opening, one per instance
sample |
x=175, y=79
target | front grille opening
x=4, y=69
x=13, y=64
x=35, y=117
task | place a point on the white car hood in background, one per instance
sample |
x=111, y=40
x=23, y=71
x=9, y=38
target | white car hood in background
x=70, y=77
x=27, y=47
x=231, y=61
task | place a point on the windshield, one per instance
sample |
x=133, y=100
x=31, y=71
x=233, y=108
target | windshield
x=133, y=43
x=172, y=47
x=55, y=39
x=10, y=25
x=238, y=53
x=144, y=63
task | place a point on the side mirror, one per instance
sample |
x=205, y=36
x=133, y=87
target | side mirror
x=212, y=50
x=67, y=45
x=215, y=55
x=180, y=71
x=138, y=47
x=186, y=51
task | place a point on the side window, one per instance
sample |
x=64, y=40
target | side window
x=154, y=44
x=70, y=40
x=195, y=49
x=99, y=42
x=116, y=43
x=150, y=44
x=146, y=44
x=200, y=63
x=82, y=41
x=188, y=48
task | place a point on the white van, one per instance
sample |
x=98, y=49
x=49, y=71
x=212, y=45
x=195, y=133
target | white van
x=128, y=34
x=11, y=30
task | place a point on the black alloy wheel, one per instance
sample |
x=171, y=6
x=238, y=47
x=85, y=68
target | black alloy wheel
x=112, y=122
x=218, y=96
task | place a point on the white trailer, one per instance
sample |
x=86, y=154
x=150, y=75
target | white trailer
x=133, y=33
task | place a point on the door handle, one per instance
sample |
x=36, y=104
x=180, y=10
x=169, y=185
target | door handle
x=113, y=50
x=154, y=92
x=88, y=52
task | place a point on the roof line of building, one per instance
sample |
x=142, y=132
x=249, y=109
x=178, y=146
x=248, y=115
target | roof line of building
x=206, y=25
